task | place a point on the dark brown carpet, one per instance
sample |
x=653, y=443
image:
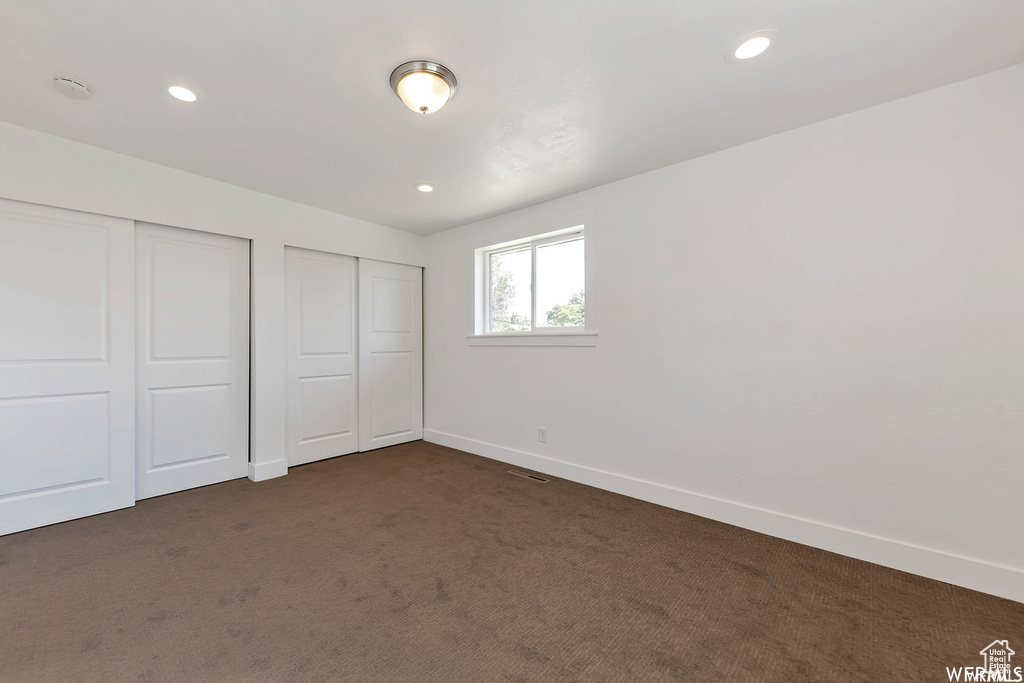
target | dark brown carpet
x=421, y=563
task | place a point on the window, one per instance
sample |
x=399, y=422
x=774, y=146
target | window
x=540, y=284
x=533, y=287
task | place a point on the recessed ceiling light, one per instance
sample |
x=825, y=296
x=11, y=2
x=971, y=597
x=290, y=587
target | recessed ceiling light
x=182, y=93
x=751, y=45
x=424, y=187
x=424, y=86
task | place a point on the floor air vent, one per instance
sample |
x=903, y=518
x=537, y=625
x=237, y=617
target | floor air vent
x=527, y=475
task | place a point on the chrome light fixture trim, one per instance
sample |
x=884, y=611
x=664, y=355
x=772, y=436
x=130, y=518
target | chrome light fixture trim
x=428, y=67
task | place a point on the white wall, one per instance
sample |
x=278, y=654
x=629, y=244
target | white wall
x=819, y=335
x=44, y=169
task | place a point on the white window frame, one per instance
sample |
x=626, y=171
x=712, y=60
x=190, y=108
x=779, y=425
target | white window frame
x=585, y=335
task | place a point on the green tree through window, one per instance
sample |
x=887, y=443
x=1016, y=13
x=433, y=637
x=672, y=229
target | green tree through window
x=569, y=314
x=503, y=291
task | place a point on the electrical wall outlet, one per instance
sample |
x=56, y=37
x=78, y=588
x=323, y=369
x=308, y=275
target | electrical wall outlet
x=542, y=434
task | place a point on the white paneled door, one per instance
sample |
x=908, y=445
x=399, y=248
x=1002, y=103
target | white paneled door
x=66, y=363
x=192, y=379
x=322, y=415
x=390, y=354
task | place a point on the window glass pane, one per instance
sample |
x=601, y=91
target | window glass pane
x=560, y=284
x=510, y=291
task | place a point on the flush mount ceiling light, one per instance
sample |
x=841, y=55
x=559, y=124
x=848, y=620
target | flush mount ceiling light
x=751, y=45
x=424, y=86
x=182, y=93
x=424, y=187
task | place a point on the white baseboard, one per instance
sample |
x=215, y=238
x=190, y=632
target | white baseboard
x=1005, y=582
x=261, y=471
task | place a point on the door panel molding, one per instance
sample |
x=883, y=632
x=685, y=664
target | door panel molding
x=322, y=344
x=67, y=357
x=391, y=354
x=192, y=378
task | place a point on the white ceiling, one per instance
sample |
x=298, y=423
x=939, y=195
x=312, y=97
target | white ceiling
x=555, y=96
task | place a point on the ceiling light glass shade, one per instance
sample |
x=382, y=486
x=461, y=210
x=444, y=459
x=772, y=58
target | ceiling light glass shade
x=423, y=86
x=424, y=92
x=753, y=47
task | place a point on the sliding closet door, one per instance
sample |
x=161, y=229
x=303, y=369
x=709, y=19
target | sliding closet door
x=390, y=354
x=322, y=416
x=66, y=361
x=192, y=381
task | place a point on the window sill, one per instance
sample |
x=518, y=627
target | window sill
x=534, y=339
